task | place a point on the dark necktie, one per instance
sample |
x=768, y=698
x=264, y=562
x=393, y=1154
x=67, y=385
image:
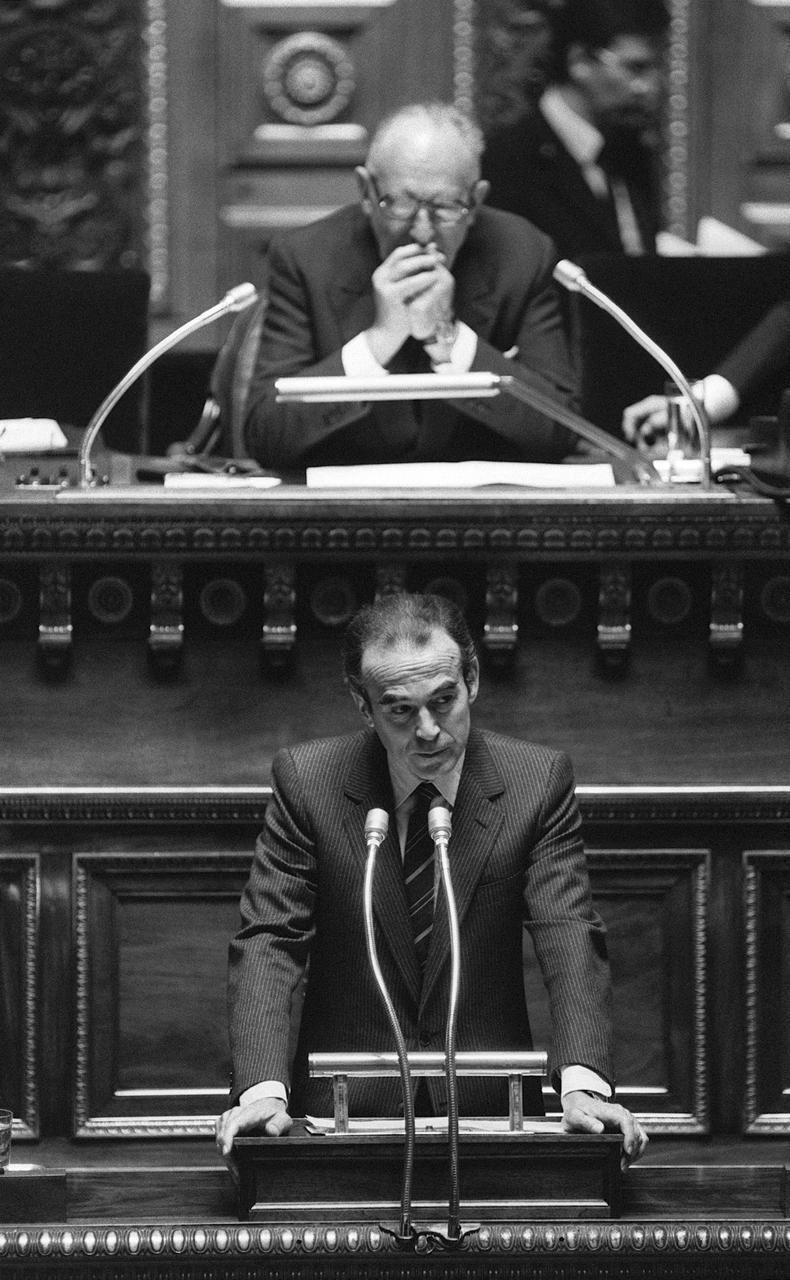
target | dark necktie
x=418, y=869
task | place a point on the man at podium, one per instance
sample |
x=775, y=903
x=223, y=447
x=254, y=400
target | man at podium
x=516, y=859
x=418, y=277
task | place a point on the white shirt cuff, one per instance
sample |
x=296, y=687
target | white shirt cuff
x=463, y=352
x=266, y=1089
x=358, y=359
x=575, y=1077
x=718, y=396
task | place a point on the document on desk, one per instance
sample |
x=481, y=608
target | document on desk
x=30, y=435
x=433, y=1124
x=463, y=475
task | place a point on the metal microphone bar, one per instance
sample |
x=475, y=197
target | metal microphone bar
x=393, y=386
x=460, y=386
x=430, y=1063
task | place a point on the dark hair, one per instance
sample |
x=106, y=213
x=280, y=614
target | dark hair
x=403, y=617
x=596, y=24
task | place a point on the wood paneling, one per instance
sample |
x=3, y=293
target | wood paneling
x=653, y=902
x=152, y=934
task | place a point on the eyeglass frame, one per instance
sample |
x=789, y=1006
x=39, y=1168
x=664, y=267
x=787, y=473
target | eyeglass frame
x=431, y=207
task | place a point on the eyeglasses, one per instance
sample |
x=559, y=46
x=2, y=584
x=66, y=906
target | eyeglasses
x=442, y=213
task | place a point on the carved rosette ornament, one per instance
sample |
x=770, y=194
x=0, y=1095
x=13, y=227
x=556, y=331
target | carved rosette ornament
x=308, y=79
x=72, y=160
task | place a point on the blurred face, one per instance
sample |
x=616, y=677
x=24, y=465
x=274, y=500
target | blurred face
x=622, y=84
x=424, y=189
x=417, y=700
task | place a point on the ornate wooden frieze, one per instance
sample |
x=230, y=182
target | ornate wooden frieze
x=72, y=168
x=685, y=1247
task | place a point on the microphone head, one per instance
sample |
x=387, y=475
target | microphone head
x=570, y=275
x=439, y=821
x=240, y=296
x=376, y=825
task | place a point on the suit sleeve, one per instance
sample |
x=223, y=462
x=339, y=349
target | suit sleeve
x=268, y=956
x=568, y=935
x=763, y=353
x=529, y=322
x=281, y=436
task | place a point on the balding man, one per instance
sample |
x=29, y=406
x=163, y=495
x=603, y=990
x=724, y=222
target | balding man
x=418, y=277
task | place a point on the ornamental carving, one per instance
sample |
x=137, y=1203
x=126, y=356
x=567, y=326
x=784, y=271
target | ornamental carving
x=308, y=79
x=71, y=160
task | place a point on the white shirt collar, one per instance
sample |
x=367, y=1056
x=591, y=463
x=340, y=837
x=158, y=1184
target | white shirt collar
x=581, y=139
x=404, y=782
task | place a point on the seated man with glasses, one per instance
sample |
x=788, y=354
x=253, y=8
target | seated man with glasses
x=583, y=162
x=417, y=278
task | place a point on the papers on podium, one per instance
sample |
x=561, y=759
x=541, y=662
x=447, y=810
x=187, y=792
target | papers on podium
x=30, y=435
x=463, y=475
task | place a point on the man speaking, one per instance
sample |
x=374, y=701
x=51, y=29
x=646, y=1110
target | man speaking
x=418, y=277
x=516, y=860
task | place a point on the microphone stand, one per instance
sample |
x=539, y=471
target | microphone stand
x=236, y=299
x=575, y=279
x=376, y=825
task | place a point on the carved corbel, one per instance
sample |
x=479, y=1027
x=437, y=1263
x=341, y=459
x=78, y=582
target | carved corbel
x=614, y=616
x=166, y=628
x=55, y=630
x=500, y=630
x=278, y=635
x=725, y=635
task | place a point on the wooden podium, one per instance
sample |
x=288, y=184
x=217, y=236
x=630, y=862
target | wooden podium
x=313, y=1176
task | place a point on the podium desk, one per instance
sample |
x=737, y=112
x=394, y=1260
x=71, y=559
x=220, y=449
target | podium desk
x=157, y=648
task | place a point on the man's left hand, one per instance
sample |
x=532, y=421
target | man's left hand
x=582, y=1113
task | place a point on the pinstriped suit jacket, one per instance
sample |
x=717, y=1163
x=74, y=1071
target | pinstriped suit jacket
x=516, y=858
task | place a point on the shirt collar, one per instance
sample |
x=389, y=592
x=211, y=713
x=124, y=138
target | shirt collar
x=583, y=141
x=404, y=783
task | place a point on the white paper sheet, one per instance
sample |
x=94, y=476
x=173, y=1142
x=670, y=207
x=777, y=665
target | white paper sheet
x=462, y=475
x=30, y=435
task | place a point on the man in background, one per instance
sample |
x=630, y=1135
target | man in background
x=419, y=277
x=583, y=165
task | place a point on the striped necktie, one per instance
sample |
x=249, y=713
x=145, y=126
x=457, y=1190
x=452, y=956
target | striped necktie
x=418, y=869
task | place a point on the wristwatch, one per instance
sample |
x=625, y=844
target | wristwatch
x=439, y=345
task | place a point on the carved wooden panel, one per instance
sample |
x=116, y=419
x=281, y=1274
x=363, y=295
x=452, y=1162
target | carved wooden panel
x=767, y=914
x=654, y=904
x=72, y=114
x=19, y=941
x=152, y=933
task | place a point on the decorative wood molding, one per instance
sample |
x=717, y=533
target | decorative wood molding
x=157, y=152
x=293, y=1250
x=24, y=870
x=759, y=869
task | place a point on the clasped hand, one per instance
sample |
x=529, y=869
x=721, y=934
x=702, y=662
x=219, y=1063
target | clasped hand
x=413, y=292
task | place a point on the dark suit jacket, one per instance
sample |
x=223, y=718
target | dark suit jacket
x=762, y=355
x=532, y=174
x=320, y=296
x=516, y=858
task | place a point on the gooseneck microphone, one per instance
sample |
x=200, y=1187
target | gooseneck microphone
x=236, y=299
x=440, y=828
x=575, y=279
x=376, y=826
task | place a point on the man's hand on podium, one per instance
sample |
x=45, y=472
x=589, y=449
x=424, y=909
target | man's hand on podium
x=263, y=1115
x=583, y=1112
